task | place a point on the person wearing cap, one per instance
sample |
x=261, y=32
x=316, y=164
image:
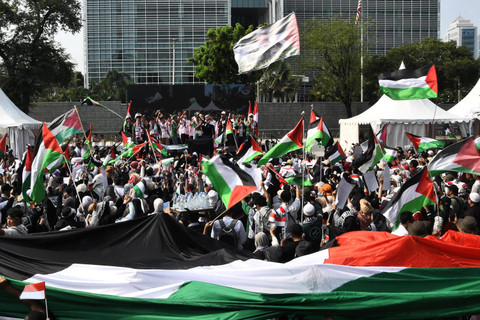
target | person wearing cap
x=468, y=225
x=312, y=226
x=418, y=229
x=250, y=125
x=473, y=209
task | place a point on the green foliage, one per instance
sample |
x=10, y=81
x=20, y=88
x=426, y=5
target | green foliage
x=278, y=81
x=113, y=87
x=31, y=61
x=215, y=62
x=454, y=66
x=332, y=49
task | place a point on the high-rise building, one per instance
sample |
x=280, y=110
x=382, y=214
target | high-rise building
x=150, y=40
x=395, y=22
x=464, y=33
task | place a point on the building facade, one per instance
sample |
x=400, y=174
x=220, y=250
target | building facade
x=394, y=22
x=464, y=33
x=150, y=40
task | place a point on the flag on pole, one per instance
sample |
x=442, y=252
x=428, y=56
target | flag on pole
x=89, y=101
x=249, y=107
x=416, y=193
x=3, y=146
x=155, y=145
x=232, y=183
x=462, y=156
x=369, y=159
x=424, y=143
x=382, y=135
x=26, y=172
x=127, y=141
x=262, y=47
x=290, y=142
x=408, y=84
x=66, y=126
x=248, y=151
x=319, y=135
x=34, y=291
x=449, y=131
x=88, y=142
x=255, y=115
x=314, y=118
x=127, y=116
x=297, y=180
x=390, y=155
x=48, y=157
x=335, y=153
x=133, y=151
x=359, y=11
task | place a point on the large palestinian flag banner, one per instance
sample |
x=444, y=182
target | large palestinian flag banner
x=462, y=156
x=408, y=84
x=153, y=268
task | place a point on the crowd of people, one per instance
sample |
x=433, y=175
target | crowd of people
x=278, y=222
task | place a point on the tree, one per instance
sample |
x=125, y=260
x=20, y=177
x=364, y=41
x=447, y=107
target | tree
x=456, y=68
x=31, y=61
x=215, y=62
x=113, y=87
x=332, y=48
x=278, y=81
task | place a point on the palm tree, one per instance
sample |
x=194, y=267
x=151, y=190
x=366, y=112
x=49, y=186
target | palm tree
x=278, y=82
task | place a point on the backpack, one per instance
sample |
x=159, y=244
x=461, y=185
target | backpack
x=228, y=234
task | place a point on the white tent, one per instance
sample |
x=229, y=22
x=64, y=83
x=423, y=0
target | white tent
x=212, y=107
x=469, y=107
x=18, y=125
x=401, y=116
x=194, y=107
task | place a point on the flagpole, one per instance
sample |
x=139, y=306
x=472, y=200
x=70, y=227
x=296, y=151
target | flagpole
x=81, y=125
x=361, y=62
x=46, y=305
x=303, y=167
x=151, y=144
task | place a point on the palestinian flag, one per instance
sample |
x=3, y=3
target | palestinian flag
x=424, y=143
x=128, y=115
x=291, y=142
x=382, y=135
x=262, y=47
x=314, y=118
x=249, y=107
x=148, y=267
x=461, y=156
x=156, y=146
x=232, y=183
x=140, y=189
x=369, y=159
x=407, y=84
x=132, y=151
x=335, y=153
x=449, y=131
x=127, y=141
x=66, y=126
x=34, y=291
x=390, y=155
x=299, y=181
x=26, y=172
x=3, y=146
x=319, y=135
x=219, y=139
x=416, y=193
x=88, y=143
x=166, y=161
x=89, y=101
x=48, y=157
x=248, y=151
x=255, y=114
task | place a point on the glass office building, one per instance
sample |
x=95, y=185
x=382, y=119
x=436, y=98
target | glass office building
x=395, y=22
x=464, y=33
x=150, y=40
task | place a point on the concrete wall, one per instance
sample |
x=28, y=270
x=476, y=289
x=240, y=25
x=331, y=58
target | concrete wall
x=103, y=121
x=276, y=119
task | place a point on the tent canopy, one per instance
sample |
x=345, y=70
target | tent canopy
x=469, y=107
x=194, y=107
x=400, y=116
x=212, y=107
x=18, y=125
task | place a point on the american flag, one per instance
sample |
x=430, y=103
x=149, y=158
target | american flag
x=359, y=11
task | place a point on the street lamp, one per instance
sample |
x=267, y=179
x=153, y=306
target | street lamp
x=173, y=61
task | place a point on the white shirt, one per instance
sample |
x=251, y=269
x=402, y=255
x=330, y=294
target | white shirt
x=400, y=231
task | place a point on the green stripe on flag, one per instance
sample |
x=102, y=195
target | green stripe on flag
x=409, y=93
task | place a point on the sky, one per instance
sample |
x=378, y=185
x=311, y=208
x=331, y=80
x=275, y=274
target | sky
x=449, y=11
